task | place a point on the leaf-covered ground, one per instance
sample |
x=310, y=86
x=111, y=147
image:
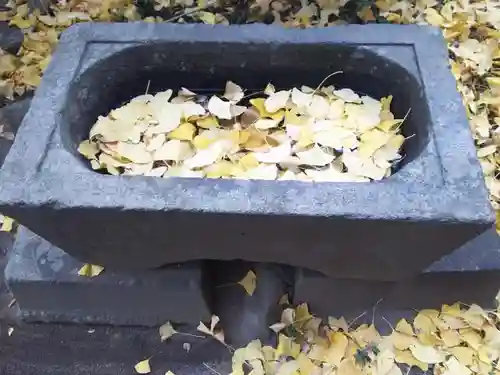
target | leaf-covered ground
x=457, y=340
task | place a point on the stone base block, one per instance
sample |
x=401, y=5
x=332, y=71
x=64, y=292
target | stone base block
x=471, y=274
x=47, y=287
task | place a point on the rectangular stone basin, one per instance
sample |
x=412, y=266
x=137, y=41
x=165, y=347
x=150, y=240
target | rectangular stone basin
x=387, y=230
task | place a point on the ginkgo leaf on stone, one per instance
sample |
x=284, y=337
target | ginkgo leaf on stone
x=315, y=156
x=300, y=98
x=269, y=89
x=169, y=117
x=347, y=95
x=155, y=142
x=192, y=109
x=7, y=223
x=182, y=171
x=275, y=154
x=277, y=327
x=262, y=172
x=220, y=108
x=233, y=92
x=207, y=122
x=265, y=124
x=184, y=132
x=143, y=367
x=90, y=270
x=166, y=331
x=174, y=150
x=454, y=367
x=249, y=282
x=277, y=101
x=88, y=149
x=205, y=157
x=426, y=353
x=135, y=152
x=319, y=107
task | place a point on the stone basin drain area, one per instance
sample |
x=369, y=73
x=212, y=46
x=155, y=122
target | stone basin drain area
x=309, y=134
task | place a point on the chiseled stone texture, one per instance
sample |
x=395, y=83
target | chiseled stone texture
x=388, y=230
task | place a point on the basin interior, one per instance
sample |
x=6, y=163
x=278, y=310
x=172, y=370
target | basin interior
x=206, y=66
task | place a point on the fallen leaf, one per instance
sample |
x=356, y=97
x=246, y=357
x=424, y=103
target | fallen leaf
x=184, y=132
x=233, y=92
x=90, y=270
x=166, y=331
x=454, y=367
x=205, y=157
x=347, y=95
x=276, y=101
x=300, y=98
x=337, y=350
x=249, y=282
x=338, y=324
x=7, y=224
x=135, y=152
x=220, y=108
x=426, y=354
x=404, y=327
x=277, y=327
x=169, y=117
x=315, y=156
x=275, y=155
x=143, y=367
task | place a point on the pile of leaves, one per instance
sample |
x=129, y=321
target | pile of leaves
x=457, y=340
x=307, y=134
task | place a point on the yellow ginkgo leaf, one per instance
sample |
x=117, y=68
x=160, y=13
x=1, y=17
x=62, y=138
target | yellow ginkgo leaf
x=166, y=331
x=287, y=347
x=184, y=132
x=405, y=357
x=338, y=324
x=337, y=350
x=454, y=367
x=423, y=322
x=90, y=270
x=404, y=327
x=249, y=282
x=464, y=354
x=7, y=224
x=207, y=122
x=220, y=108
x=143, y=367
x=426, y=353
x=233, y=92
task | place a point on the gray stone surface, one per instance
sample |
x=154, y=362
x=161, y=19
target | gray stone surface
x=11, y=117
x=46, y=285
x=12, y=114
x=388, y=230
x=470, y=274
x=11, y=38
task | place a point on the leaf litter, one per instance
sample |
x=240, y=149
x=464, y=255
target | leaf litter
x=299, y=134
